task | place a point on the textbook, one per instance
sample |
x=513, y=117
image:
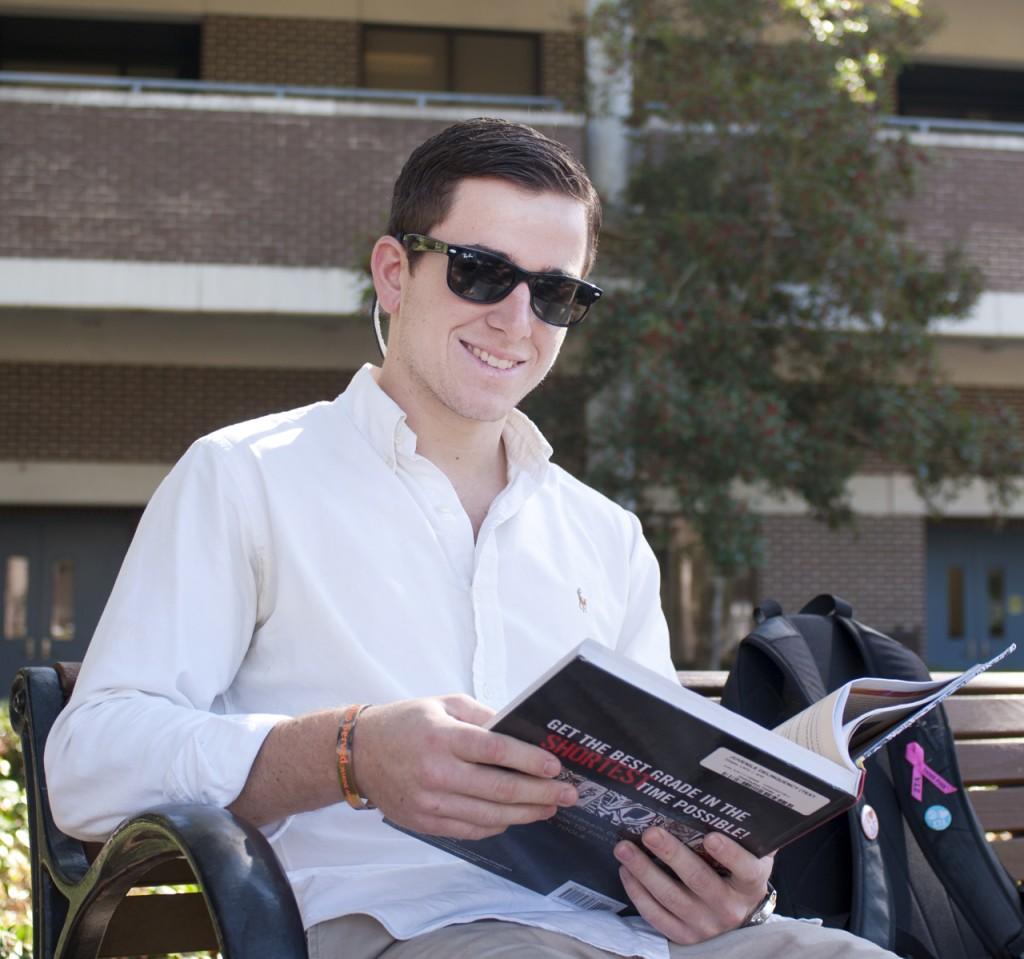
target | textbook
x=644, y=751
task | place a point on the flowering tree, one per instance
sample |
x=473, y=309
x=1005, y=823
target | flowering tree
x=772, y=329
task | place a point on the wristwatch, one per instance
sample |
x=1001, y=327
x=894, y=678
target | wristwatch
x=764, y=908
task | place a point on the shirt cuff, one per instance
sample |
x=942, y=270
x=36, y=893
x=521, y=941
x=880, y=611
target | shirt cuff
x=213, y=763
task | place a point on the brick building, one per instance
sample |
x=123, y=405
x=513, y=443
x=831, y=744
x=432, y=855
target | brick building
x=178, y=256
x=953, y=587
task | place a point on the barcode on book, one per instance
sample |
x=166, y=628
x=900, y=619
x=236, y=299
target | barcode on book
x=573, y=894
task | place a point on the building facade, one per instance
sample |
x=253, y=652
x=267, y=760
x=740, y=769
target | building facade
x=183, y=239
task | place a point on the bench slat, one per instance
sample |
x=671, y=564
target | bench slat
x=984, y=709
x=988, y=683
x=151, y=925
x=1011, y=855
x=707, y=682
x=991, y=763
x=710, y=682
x=1000, y=809
x=974, y=717
x=177, y=872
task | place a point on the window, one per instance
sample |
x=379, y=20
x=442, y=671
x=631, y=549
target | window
x=967, y=93
x=463, y=61
x=996, y=603
x=16, y=598
x=62, y=610
x=955, y=599
x=117, y=48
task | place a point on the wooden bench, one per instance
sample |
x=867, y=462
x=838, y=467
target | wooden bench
x=988, y=722
x=243, y=906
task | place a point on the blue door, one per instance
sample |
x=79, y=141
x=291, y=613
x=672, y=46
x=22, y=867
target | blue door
x=975, y=590
x=57, y=567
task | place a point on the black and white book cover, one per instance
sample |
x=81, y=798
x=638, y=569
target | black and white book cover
x=643, y=751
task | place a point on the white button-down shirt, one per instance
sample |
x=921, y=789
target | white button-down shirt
x=310, y=559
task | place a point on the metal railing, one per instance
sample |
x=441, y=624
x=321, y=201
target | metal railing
x=911, y=123
x=419, y=98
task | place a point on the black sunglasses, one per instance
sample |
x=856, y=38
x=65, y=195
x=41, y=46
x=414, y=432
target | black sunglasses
x=483, y=277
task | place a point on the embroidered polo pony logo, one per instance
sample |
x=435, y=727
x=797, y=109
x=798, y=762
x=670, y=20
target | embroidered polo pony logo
x=582, y=599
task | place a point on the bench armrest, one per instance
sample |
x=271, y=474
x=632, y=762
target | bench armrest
x=250, y=902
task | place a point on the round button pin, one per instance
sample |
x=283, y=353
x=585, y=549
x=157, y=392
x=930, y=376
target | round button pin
x=937, y=818
x=869, y=824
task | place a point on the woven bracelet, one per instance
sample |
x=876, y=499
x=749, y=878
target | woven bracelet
x=346, y=740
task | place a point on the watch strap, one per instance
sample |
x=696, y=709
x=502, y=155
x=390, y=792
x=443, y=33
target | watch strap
x=764, y=909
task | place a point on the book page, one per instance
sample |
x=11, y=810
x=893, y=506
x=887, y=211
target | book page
x=860, y=716
x=817, y=728
x=867, y=695
x=869, y=710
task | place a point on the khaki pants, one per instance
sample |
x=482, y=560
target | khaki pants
x=362, y=937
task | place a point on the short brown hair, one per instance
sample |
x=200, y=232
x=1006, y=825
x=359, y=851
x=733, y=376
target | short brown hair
x=487, y=147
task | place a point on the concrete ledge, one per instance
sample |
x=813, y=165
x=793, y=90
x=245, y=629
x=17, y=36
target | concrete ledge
x=994, y=315
x=238, y=103
x=321, y=291
x=79, y=484
x=179, y=287
x=132, y=484
x=968, y=141
x=890, y=494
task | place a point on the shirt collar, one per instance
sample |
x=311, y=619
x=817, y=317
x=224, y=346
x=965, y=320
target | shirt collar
x=525, y=447
x=382, y=421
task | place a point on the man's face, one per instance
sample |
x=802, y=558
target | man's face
x=478, y=360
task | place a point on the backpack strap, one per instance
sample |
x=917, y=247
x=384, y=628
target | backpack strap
x=767, y=609
x=871, y=912
x=798, y=671
x=828, y=604
x=785, y=646
x=984, y=892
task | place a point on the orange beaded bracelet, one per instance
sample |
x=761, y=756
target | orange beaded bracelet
x=346, y=738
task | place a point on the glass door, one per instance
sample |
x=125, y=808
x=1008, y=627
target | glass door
x=975, y=593
x=57, y=567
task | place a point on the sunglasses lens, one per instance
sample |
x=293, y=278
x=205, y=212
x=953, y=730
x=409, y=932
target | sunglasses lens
x=479, y=276
x=558, y=301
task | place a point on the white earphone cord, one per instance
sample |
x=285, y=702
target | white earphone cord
x=381, y=345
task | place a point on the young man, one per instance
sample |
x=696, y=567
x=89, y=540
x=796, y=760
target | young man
x=407, y=546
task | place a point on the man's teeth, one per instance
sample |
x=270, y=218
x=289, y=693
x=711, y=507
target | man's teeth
x=494, y=361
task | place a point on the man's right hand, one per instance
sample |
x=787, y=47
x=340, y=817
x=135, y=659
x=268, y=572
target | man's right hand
x=429, y=766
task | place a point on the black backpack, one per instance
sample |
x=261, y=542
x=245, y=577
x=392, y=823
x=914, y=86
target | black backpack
x=921, y=892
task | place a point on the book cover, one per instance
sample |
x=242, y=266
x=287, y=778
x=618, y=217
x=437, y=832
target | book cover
x=642, y=751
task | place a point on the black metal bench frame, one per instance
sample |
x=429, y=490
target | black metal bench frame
x=243, y=909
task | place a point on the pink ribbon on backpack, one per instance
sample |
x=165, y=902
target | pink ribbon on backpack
x=922, y=771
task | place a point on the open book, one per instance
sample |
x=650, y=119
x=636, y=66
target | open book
x=643, y=751
x=861, y=716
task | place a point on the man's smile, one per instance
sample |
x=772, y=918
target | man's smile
x=495, y=362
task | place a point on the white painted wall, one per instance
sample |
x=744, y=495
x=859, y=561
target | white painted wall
x=178, y=287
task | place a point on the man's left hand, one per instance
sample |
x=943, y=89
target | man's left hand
x=698, y=903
